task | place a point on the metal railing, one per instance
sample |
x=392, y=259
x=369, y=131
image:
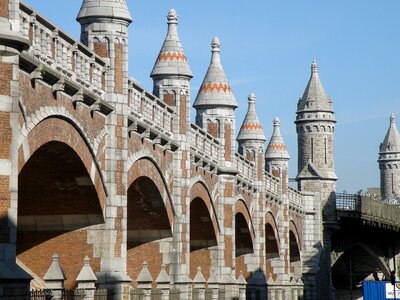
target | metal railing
x=367, y=208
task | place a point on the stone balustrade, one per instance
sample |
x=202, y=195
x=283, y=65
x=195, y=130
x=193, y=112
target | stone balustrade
x=148, y=108
x=295, y=199
x=272, y=184
x=55, y=50
x=204, y=147
x=245, y=167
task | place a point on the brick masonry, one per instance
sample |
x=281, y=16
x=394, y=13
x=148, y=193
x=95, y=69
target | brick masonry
x=109, y=180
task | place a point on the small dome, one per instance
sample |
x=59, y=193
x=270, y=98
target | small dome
x=251, y=128
x=276, y=148
x=113, y=9
x=171, y=60
x=215, y=90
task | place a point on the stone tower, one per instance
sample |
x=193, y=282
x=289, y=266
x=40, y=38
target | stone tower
x=171, y=75
x=389, y=162
x=104, y=30
x=215, y=105
x=277, y=157
x=315, y=124
x=251, y=137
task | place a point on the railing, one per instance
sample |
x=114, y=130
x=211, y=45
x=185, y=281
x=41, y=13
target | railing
x=348, y=202
x=271, y=183
x=374, y=210
x=295, y=198
x=204, y=144
x=148, y=107
x=245, y=167
x=56, y=49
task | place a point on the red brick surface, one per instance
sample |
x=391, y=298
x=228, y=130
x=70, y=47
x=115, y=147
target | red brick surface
x=6, y=75
x=35, y=250
x=4, y=9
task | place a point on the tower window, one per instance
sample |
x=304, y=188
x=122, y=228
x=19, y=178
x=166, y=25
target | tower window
x=312, y=149
x=326, y=150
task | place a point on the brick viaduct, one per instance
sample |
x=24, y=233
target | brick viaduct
x=92, y=164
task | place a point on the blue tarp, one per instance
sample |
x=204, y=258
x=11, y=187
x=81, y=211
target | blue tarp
x=378, y=290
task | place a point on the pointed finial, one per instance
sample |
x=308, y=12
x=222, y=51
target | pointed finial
x=86, y=261
x=314, y=67
x=215, y=45
x=172, y=17
x=277, y=122
x=252, y=98
x=392, y=118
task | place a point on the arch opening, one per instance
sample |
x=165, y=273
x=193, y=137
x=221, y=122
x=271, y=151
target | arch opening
x=148, y=227
x=356, y=264
x=294, y=257
x=243, y=242
x=271, y=244
x=56, y=200
x=202, y=237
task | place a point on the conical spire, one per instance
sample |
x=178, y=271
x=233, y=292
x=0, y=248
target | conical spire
x=314, y=97
x=276, y=147
x=171, y=60
x=391, y=142
x=251, y=128
x=113, y=9
x=215, y=89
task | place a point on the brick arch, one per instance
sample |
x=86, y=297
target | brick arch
x=242, y=208
x=199, y=190
x=154, y=173
x=270, y=219
x=61, y=129
x=293, y=228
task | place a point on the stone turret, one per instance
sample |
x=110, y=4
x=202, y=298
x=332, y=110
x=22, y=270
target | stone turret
x=215, y=104
x=251, y=137
x=315, y=123
x=171, y=75
x=104, y=29
x=277, y=157
x=389, y=162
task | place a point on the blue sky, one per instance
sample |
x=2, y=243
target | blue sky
x=267, y=48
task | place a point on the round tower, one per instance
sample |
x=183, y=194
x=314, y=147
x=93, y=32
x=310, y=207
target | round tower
x=171, y=75
x=277, y=157
x=251, y=137
x=215, y=104
x=315, y=124
x=104, y=29
x=389, y=162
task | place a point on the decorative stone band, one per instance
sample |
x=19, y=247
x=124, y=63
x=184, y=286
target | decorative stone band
x=251, y=126
x=276, y=147
x=171, y=56
x=214, y=87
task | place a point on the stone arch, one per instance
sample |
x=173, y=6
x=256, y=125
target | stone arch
x=241, y=207
x=294, y=249
x=200, y=190
x=293, y=228
x=150, y=218
x=60, y=194
x=62, y=129
x=362, y=257
x=204, y=229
